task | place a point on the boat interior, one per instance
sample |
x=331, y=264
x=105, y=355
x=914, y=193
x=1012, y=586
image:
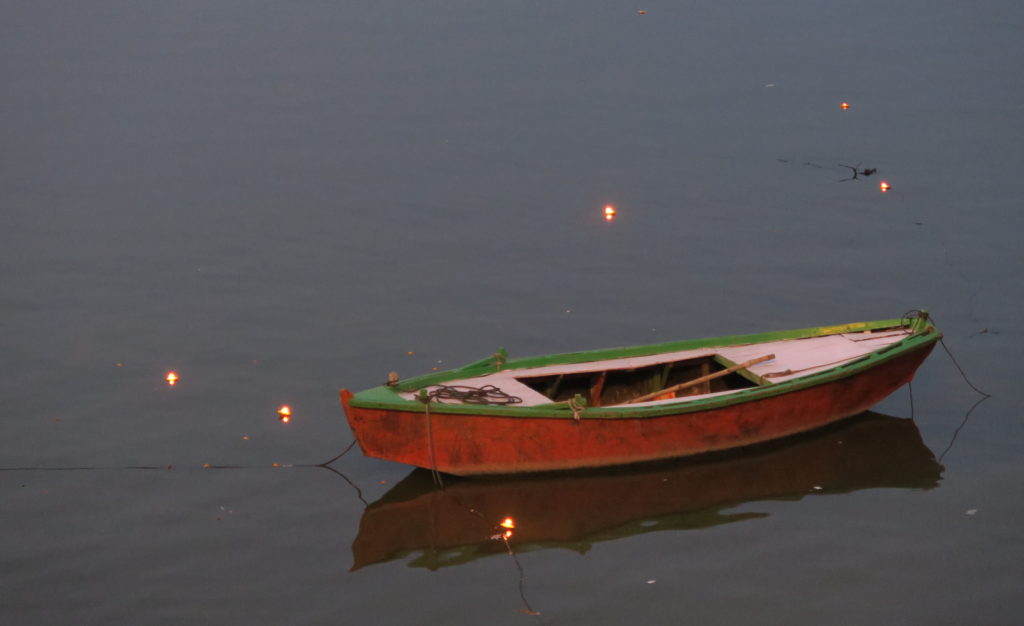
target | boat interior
x=626, y=385
x=688, y=374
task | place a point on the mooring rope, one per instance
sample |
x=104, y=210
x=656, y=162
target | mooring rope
x=916, y=313
x=436, y=475
x=985, y=395
x=488, y=394
x=426, y=399
x=343, y=453
x=956, y=433
x=577, y=407
x=942, y=342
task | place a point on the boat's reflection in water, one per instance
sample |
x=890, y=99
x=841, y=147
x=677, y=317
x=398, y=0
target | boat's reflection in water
x=440, y=528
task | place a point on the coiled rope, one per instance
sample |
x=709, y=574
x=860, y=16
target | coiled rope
x=488, y=394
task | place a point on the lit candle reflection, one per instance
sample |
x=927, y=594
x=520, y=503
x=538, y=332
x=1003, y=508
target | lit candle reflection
x=508, y=524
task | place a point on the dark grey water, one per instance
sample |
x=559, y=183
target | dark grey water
x=279, y=199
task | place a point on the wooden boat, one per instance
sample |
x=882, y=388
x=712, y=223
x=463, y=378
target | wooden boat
x=435, y=528
x=629, y=405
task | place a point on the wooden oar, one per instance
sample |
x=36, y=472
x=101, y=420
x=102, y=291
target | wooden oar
x=702, y=379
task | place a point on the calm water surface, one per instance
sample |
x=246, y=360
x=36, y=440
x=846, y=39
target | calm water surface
x=275, y=200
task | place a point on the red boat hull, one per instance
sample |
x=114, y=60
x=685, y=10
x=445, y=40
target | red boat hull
x=466, y=444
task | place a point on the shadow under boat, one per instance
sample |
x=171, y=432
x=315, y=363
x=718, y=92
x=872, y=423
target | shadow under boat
x=459, y=523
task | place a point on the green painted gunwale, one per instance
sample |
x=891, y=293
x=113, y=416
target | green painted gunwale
x=385, y=397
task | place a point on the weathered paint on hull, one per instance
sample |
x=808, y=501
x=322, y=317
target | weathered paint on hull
x=466, y=444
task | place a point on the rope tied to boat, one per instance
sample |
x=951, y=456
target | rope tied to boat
x=577, y=404
x=425, y=398
x=486, y=395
